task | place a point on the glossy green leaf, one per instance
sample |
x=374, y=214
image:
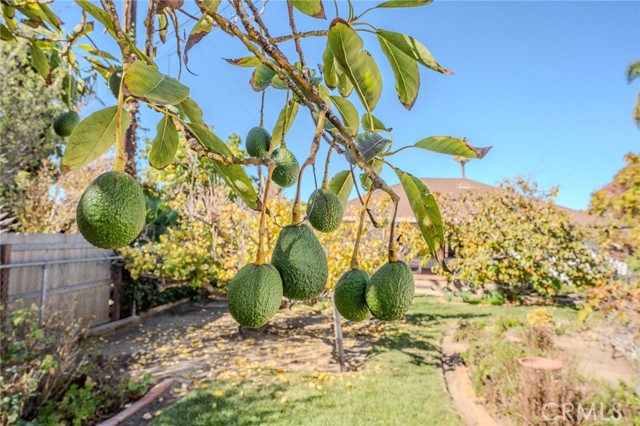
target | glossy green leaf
x=405, y=71
x=377, y=125
x=50, y=16
x=341, y=185
x=92, y=137
x=357, y=64
x=344, y=85
x=412, y=48
x=261, y=77
x=425, y=209
x=310, y=7
x=233, y=174
x=452, y=146
x=369, y=144
x=349, y=113
x=199, y=31
x=5, y=34
x=247, y=61
x=99, y=14
x=403, y=3
x=39, y=61
x=145, y=81
x=95, y=52
x=191, y=110
x=283, y=124
x=165, y=144
x=329, y=68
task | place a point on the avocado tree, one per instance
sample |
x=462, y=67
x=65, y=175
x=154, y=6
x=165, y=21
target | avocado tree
x=347, y=83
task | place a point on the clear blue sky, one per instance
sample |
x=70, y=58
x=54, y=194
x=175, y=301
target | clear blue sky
x=542, y=82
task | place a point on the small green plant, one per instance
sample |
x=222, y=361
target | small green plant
x=76, y=407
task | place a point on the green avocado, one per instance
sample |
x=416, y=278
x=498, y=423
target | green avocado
x=258, y=142
x=390, y=291
x=349, y=295
x=286, y=172
x=115, y=78
x=255, y=294
x=111, y=212
x=64, y=124
x=302, y=264
x=324, y=210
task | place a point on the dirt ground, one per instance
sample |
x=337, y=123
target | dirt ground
x=201, y=342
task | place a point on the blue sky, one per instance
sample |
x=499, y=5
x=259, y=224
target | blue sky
x=542, y=82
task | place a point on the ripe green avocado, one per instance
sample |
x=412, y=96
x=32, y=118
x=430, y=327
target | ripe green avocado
x=111, y=212
x=286, y=172
x=349, y=295
x=258, y=142
x=115, y=78
x=324, y=210
x=302, y=264
x=255, y=294
x=64, y=124
x=390, y=291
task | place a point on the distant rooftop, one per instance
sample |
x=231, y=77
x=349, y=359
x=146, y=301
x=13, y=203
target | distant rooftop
x=448, y=186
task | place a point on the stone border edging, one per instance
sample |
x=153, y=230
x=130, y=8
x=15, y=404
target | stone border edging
x=456, y=377
x=151, y=396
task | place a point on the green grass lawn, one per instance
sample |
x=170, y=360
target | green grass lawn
x=401, y=384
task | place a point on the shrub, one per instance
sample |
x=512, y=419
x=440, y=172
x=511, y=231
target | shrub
x=515, y=236
x=40, y=359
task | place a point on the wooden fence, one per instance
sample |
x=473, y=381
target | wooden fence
x=60, y=272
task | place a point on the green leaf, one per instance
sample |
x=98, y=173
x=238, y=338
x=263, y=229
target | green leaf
x=95, y=52
x=5, y=34
x=405, y=70
x=261, y=77
x=39, y=61
x=191, y=110
x=145, y=81
x=403, y=3
x=369, y=144
x=50, y=16
x=163, y=27
x=201, y=29
x=99, y=14
x=426, y=211
x=312, y=8
x=341, y=185
x=344, y=85
x=377, y=126
x=452, y=146
x=248, y=61
x=285, y=120
x=233, y=174
x=329, y=68
x=92, y=137
x=357, y=64
x=349, y=114
x=165, y=144
x=412, y=48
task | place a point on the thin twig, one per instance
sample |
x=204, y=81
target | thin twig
x=150, y=24
x=294, y=31
x=296, y=215
x=281, y=39
x=196, y=146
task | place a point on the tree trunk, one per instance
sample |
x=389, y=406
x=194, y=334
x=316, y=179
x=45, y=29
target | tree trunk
x=130, y=141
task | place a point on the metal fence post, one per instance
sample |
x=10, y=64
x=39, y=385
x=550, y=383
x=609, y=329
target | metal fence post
x=5, y=259
x=43, y=289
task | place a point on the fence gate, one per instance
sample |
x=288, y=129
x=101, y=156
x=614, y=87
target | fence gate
x=59, y=273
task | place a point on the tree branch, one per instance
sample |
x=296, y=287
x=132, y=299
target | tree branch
x=316, y=33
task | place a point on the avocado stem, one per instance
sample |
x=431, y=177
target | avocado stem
x=325, y=178
x=262, y=229
x=296, y=211
x=355, y=264
x=392, y=232
x=121, y=155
